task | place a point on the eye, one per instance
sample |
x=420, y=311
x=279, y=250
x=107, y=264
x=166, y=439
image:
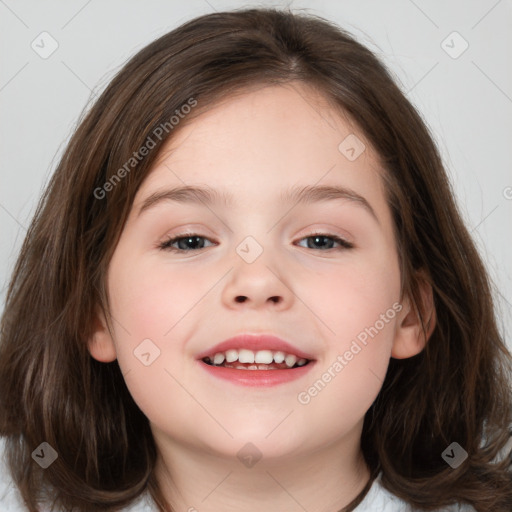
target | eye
x=326, y=241
x=185, y=241
x=188, y=242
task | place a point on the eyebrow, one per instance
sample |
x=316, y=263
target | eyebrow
x=296, y=195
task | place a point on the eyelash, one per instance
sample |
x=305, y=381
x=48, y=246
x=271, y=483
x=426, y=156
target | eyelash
x=166, y=245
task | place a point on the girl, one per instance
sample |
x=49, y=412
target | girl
x=248, y=287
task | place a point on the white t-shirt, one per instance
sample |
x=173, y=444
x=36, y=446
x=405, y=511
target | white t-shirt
x=377, y=499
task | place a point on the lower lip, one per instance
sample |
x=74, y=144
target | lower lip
x=260, y=378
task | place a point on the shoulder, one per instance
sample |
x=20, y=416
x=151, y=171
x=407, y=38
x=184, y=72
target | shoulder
x=380, y=499
x=143, y=504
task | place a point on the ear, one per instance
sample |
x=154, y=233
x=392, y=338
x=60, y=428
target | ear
x=410, y=339
x=101, y=345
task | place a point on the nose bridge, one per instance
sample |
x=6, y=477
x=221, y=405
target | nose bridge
x=250, y=249
x=254, y=234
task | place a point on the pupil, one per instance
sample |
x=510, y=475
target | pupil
x=184, y=241
x=321, y=237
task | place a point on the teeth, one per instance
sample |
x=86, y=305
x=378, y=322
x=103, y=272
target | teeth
x=231, y=355
x=290, y=360
x=245, y=356
x=264, y=356
x=279, y=357
x=218, y=358
x=257, y=359
x=253, y=367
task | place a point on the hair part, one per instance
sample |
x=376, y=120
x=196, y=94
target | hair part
x=456, y=389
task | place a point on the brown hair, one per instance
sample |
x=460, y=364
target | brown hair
x=456, y=389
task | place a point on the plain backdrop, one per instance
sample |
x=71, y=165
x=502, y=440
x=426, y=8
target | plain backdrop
x=452, y=59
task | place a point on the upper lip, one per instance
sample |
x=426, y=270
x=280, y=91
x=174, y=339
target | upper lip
x=255, y=342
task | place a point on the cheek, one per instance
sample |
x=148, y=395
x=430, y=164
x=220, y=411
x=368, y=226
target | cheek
x=151, y=299
x=349, y=297
x=358, y=307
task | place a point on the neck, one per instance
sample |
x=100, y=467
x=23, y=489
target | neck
x=193, y=480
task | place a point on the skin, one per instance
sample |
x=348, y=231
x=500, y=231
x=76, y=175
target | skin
x=255, y=145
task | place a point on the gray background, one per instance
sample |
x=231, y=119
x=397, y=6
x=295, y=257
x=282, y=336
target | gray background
x=465, y=98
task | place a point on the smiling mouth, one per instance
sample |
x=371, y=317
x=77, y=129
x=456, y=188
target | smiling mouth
x=244, y=359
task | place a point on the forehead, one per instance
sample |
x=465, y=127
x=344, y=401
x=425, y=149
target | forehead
x=275, y=118
x=257, y=144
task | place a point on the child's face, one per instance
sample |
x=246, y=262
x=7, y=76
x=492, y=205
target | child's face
x=319, y=299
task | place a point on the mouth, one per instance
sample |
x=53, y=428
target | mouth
x=255, y=360
x=244, y=359
x=263, y=369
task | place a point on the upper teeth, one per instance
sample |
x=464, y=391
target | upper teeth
x=261, y=356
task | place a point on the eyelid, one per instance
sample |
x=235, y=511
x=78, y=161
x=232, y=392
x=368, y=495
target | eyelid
x=171, y=239
x=345, y=238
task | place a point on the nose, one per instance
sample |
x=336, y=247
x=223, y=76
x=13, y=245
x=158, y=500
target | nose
x=257, y=285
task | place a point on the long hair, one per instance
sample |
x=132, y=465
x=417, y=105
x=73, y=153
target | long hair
x=456, y=390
